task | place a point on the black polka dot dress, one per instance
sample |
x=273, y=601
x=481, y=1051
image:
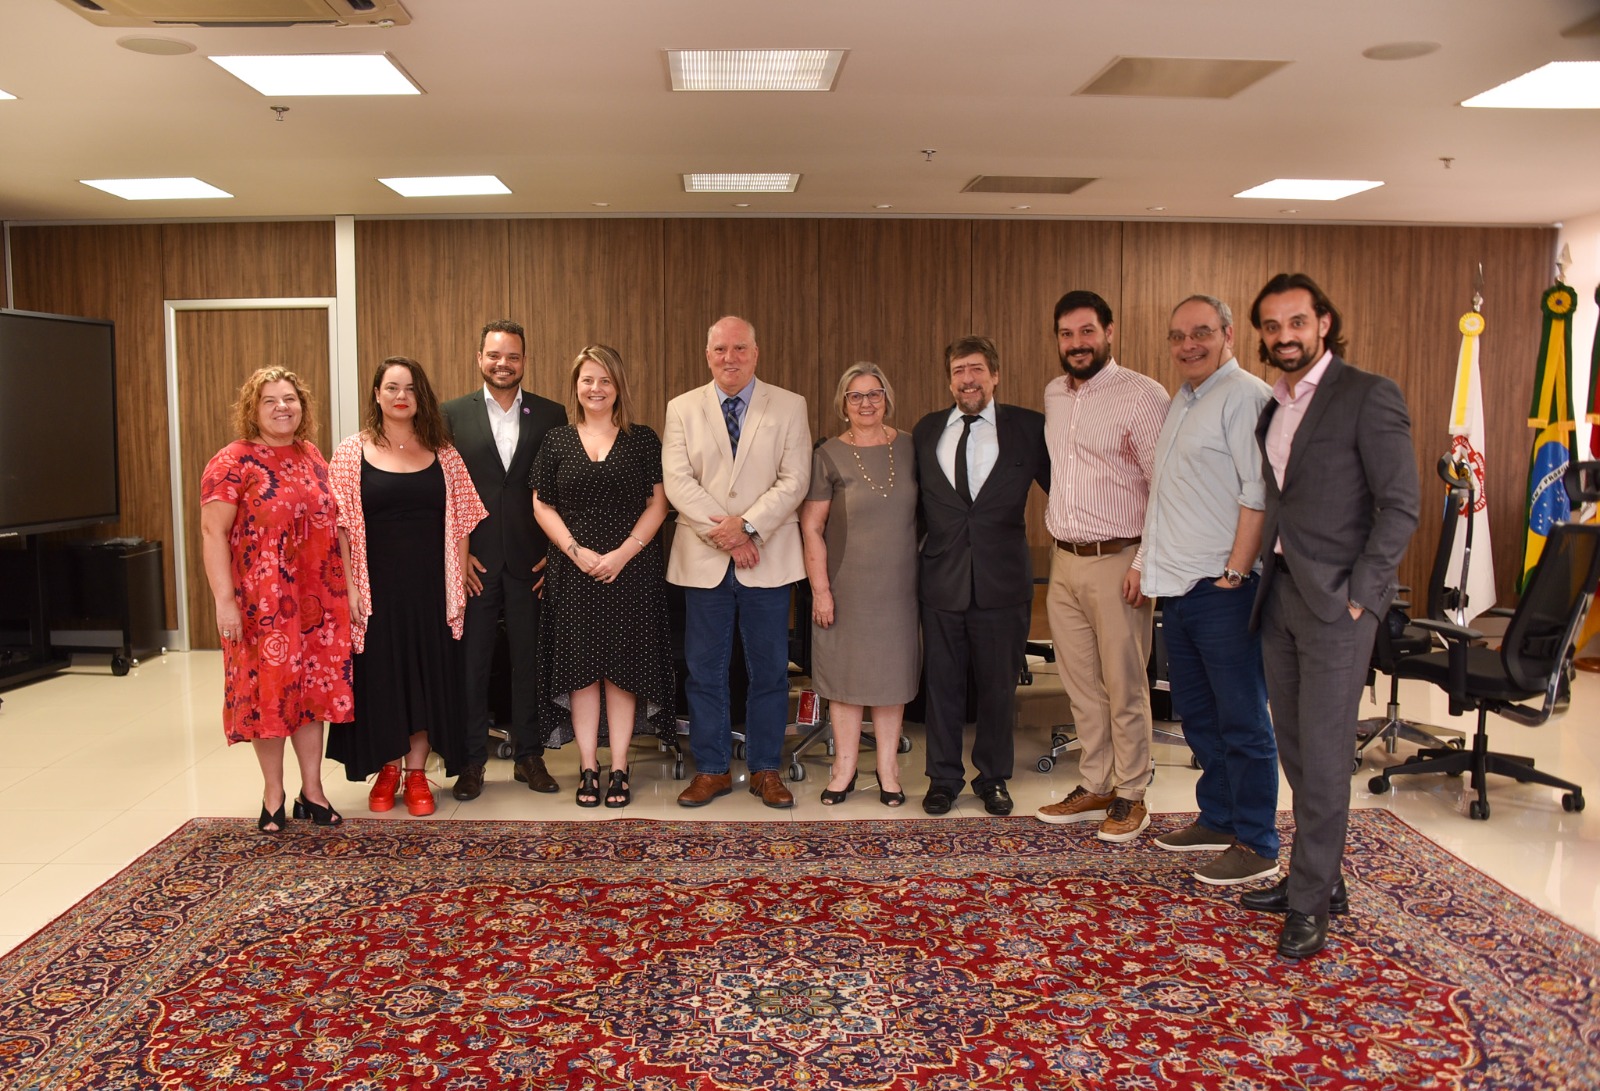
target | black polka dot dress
x=591, y=630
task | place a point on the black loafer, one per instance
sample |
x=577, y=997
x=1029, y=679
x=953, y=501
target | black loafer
x=938, y=801
x=996, y=800
x=1275, y=899
x=1303, y=935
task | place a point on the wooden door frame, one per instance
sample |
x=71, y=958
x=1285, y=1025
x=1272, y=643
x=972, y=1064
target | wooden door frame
x=336, y=411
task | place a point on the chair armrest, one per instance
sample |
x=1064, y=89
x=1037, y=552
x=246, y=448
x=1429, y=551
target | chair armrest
x=1450, y=631
x=1500, y=611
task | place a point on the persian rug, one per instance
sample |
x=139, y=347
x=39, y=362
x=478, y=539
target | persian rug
x=946, y=955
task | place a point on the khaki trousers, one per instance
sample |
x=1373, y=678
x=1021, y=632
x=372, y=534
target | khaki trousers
x=1102, y=649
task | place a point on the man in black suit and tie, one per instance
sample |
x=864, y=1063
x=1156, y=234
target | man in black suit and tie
x=498, y=431
x=974, y=465
x=1341, y=505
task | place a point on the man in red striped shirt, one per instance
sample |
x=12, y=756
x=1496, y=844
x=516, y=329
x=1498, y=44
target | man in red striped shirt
x=1101, y=424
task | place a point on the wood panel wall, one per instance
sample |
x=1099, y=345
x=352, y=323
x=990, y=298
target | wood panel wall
x=124, y=273
x=822, y=294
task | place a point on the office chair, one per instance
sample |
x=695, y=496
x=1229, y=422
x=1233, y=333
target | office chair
x=1530, y=662
x=1398, y=637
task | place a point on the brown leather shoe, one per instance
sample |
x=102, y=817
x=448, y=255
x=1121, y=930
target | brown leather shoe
x=469, y=785
x=704, y=788
x=531, y=771
x=768, y=785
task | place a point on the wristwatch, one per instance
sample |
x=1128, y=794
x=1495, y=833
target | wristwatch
x=750, y=529
x=1232, y=577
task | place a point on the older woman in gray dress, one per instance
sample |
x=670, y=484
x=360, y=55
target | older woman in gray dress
x=859, y=524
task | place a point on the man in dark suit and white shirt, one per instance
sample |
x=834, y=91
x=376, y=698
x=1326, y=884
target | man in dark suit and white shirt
x=498, y=430
x=1341, y=505
x=975, y=463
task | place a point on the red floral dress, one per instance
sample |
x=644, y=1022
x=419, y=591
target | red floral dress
x=292, y=666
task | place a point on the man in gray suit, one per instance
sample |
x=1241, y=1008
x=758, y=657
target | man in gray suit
x=1342, y=497
x=497, y=430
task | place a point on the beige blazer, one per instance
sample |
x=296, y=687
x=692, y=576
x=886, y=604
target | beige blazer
x=765, y=484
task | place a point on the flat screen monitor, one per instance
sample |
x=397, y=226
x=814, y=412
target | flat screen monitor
x=58, y=422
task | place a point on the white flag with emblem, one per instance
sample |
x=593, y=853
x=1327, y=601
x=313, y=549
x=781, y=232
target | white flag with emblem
x=1466, y=446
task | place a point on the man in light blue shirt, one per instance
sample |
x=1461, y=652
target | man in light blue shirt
x=1202, y=538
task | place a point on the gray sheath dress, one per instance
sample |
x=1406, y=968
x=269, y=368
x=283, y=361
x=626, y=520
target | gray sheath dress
x=870, y=655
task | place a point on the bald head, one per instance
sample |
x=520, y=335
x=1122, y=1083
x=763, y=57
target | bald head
x=731, y=353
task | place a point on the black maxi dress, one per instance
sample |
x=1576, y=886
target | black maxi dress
x=409, y=677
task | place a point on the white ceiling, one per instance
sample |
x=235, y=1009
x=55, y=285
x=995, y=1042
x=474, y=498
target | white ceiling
x=566, y=101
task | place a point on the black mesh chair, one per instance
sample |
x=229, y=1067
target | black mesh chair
x=1530, y=663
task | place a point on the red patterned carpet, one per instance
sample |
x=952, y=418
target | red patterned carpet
x=932, y=954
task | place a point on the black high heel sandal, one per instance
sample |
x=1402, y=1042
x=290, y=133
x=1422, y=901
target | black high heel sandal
x=269, y=818
x=588, y=794
x=890, y=799
x=319, y=815
x=831, y=798
x=618, y=788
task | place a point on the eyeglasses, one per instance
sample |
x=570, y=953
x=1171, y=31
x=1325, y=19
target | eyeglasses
x=1199, y=333
x=856, y=397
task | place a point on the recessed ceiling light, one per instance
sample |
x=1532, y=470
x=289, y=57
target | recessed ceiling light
x=740, y=183
x=1399, y=51
x=1155, y=208
x=601, y=204
x=1020, y=208
x=1288, y=211
x=156, y=47
x=321, y=74
x=1309, y=189
x=883, y=206
x=156, y=189
x=754, y=69
x=741, y=204
x=1559, y=85
x=446, y=185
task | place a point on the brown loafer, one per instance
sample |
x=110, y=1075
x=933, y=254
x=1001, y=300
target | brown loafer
x=768, y=785
x=704, y=788
x=531, y=771
x=469, y=785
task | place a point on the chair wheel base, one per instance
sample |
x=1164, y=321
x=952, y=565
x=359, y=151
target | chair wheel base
x=1378, y=785
x=1478, y=809
x=1572, y=801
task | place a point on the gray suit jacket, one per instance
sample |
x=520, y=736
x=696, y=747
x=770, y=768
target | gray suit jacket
x=1349, y=500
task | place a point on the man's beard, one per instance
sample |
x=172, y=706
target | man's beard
x=1308, y=356
x=1098, y=359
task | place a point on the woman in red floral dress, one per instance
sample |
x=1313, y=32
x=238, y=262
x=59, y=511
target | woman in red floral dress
x=271, y=553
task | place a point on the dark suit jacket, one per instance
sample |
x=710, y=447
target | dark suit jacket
x=994, y=525
x=1349, y=500
x=509, y=538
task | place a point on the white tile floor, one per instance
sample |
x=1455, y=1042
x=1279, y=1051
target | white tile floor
x=96, y=769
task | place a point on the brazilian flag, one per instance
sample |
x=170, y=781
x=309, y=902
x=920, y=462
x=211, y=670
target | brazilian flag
x=1551, y=414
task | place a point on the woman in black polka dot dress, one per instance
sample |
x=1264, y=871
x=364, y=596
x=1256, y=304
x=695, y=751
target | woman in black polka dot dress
x=604, y=643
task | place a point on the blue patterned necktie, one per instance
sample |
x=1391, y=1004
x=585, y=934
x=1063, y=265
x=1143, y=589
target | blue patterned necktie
x=730, y=413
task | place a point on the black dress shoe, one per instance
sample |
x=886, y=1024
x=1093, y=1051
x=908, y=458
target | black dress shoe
x=1275, y=899
x=996, y=800
x=938, y=801
x=1302, y=935
x=469, y=785
x=531, y=771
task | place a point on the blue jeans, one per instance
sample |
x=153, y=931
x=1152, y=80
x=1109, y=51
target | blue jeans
x=762, y=614
x=1219, y=690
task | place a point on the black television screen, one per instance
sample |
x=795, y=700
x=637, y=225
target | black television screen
x=58, y=422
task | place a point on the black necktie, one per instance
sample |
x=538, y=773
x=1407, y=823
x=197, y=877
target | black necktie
x=963, y=485
x=730, y=413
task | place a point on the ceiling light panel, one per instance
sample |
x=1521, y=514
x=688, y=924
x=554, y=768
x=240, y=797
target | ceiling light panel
x=448, y=185
x=1559, y=85
x=156, y=189
x=6, y=95
x=740, y=183
x=1309, y=189
x=281, y=75
x=754, y=69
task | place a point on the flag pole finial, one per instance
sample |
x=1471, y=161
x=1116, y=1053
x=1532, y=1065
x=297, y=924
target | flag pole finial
x=1563, y=262
x=1477, y=290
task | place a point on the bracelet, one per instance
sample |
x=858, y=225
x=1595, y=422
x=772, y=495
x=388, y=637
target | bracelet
x=633, y=539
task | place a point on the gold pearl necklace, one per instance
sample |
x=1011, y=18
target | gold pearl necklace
x=888, y=487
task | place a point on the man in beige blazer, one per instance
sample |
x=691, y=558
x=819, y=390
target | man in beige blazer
x=736, y=462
